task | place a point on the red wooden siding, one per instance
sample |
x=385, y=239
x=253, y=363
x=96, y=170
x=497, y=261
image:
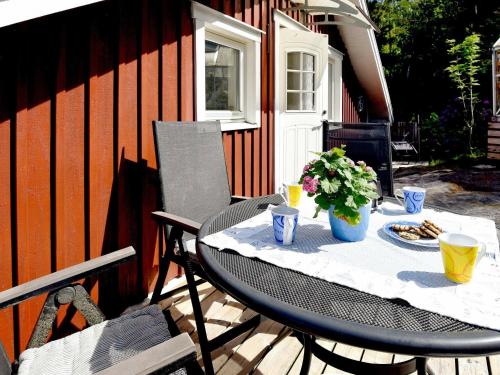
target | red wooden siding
x=8, y=265
x=349, y=112
x=77, y=160
x=31, y=173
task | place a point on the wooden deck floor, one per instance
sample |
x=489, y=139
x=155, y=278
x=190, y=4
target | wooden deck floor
x=270, y=349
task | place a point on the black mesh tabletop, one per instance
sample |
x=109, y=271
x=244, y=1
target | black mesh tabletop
x=330, y=310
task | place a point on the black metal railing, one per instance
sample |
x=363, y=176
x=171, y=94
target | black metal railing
x=370, y=142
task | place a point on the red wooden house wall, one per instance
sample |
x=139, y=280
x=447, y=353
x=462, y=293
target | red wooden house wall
x=78, y=93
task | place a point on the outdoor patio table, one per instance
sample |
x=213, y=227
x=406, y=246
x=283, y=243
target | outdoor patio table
x=318, y=308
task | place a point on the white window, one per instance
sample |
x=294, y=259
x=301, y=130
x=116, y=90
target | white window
x=334, y=85
x=228, y=69
x=300, y=78
x=224, y=81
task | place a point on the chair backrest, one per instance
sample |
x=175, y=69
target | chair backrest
x=365, y=141
x=192, y=168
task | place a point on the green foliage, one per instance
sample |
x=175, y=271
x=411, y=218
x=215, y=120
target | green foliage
x=413, y=47
x=463, y=71
x=334, y=179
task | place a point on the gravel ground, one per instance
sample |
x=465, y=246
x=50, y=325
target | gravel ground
x=469, y=190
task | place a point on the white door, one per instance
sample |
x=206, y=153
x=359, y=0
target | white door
x=303, y=97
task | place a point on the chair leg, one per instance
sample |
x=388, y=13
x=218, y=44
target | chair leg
x=164, y=264
x=198, y=316
x=422, y=368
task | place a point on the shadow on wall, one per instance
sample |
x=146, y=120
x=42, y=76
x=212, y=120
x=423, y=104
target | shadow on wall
x=122, y=229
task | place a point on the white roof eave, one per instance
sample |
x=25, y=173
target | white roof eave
x=15, y=11
x=349, y=12
x=363, y=52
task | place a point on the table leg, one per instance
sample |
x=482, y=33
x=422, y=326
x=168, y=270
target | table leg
x=306, y=362
x=422, y=368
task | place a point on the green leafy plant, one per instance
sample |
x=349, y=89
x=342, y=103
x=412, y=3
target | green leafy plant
x=463, y=70
x=335, y=180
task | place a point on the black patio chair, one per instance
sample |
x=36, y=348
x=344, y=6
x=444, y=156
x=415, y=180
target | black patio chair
x=364, y=141
x=194, y=186
x=139, y=342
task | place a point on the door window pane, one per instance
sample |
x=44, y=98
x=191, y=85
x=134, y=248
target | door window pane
x=222, y=77
x=300, y=85
x=293, y=101
x=293, y=60
x=308, y=81
x=307, y=101
x=293, y=80
x=308, y=62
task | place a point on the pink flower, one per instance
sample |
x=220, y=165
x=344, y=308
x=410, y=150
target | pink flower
x=351, y=163
x=369, y=169
x=310, y=184
x=362, y=164
x=306, y=168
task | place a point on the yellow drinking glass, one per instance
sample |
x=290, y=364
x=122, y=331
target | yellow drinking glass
x=460, y=255
x=293, y=192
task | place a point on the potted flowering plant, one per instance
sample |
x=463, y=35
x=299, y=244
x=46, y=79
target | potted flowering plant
x=343, y=188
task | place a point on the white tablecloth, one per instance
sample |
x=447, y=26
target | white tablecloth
x=379, y=264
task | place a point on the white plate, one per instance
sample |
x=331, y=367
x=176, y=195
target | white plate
x=422, y=242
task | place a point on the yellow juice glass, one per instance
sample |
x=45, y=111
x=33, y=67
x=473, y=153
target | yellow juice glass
x=460, y=255
x=293, y=192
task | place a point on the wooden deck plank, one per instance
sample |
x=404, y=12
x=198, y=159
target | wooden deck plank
x=209, y=305
x=168, y=302
x=184, y=307
x=472, y=366
x=347, y=351
x=317, y=365
x=222, y=354
x=444, y=366
x=253, y=349
x=217, y=319
x=494, y=364
x=373, y=356
x=281, y=359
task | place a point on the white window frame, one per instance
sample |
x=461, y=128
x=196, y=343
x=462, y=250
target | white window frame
x=335, y=96
x=222, y=114
x=211, y=24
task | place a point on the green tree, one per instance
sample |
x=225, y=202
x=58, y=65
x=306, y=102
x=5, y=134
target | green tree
x=463, y=70
x=413, y=47
x=414, y=50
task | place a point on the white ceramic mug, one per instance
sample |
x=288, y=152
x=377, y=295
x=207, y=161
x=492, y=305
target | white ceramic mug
x=413, y=198
x=285, y=221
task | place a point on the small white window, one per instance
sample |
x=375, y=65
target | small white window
x=224, y=82
x=227, y=69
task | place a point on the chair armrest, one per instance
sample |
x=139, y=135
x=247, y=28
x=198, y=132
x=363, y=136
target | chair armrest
x=66, y=276
x=238, y=198
x=173, y=354
x=186, y=225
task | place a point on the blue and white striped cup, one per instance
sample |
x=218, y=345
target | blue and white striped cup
x=285, y=221
x=413, y=198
